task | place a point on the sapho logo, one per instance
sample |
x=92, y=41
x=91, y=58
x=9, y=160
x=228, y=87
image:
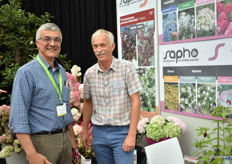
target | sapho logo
x=181, y=54
x=128, y=2
x=125, y=2
x=216, y=51
x=143, y=4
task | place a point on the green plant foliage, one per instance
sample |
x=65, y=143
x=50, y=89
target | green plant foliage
x=17, y=34
x=215, y=143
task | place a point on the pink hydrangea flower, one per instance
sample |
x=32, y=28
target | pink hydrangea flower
x=178, y=122
x=142, y=125
x=229, y=29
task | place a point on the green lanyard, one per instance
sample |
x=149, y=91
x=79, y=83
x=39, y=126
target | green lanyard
x=59, y=92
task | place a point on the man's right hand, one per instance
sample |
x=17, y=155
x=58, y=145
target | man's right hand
x=38, y=159
x=86, y=139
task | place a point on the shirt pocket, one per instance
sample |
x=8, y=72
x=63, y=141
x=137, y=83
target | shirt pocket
x=118, y=91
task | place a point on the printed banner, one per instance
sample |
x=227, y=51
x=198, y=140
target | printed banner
x=137, y=38
x=188, y=20
x=196, y=77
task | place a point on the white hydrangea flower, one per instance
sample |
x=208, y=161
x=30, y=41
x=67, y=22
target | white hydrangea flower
x=206, y=19
x=75, y=70
x=74, y=111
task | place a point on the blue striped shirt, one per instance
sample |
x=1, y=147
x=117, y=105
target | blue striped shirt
x=34, y=99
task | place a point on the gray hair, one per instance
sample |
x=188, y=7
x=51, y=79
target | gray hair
x=48, y=27
x=102, y=31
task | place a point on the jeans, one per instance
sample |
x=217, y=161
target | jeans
x=107, y=145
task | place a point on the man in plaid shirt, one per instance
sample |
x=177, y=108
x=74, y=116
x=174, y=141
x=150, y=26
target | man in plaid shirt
x=111, y=103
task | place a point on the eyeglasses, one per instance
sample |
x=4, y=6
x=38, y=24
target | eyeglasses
x=48, y=39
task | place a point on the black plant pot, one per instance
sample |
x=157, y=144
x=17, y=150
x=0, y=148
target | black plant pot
x=141, y=156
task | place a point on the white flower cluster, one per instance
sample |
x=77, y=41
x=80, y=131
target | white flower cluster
x=75, y=70
x=188, y=96
x=77, y=130
x=185, y=20
x=206, y=19
x=186, y=25
x=76, y=114
x=7, y=151
x=158, y=120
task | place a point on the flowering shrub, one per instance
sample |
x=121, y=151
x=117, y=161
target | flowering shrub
x=171, y=95
x=186, y=24
x=224, y=21
x=169, y=27
x=145, y=44
x=159, y=127
x=205, y=21
x=7, y=139
x=206, y=95
x=76, y=103
x=148, y=93
x=188, y=97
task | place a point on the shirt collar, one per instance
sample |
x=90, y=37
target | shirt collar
x=112, y=66
x=48, y=65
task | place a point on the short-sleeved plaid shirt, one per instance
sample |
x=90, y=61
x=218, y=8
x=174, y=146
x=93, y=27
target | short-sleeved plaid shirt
x=110, y=92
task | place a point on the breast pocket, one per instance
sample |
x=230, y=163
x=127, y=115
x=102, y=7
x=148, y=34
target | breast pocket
x=117, y=91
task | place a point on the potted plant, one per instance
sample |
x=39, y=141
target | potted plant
x=159, y=128
x=215, y=143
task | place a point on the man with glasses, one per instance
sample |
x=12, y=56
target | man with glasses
x=40, y=113
x=111, y=102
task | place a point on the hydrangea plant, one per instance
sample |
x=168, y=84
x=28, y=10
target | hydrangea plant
x=9, y=142
x=160, y=127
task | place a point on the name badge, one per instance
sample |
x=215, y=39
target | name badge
x=118, y=84
x=61, y=110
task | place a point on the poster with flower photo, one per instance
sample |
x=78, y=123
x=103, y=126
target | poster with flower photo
x=224, y=21
x=188, y=94
x=206, y=95
x=169, y=20
x=196, y=77
x=186, y=20
x=148, y=93
x=137, y=42
x=205, y=18
x=224, y=92
x=171, y=96
x=194, y=20
x=195, y=56
x=137, y=38
x=170, y=27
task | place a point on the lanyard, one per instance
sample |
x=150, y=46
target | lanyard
x=51, y=78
